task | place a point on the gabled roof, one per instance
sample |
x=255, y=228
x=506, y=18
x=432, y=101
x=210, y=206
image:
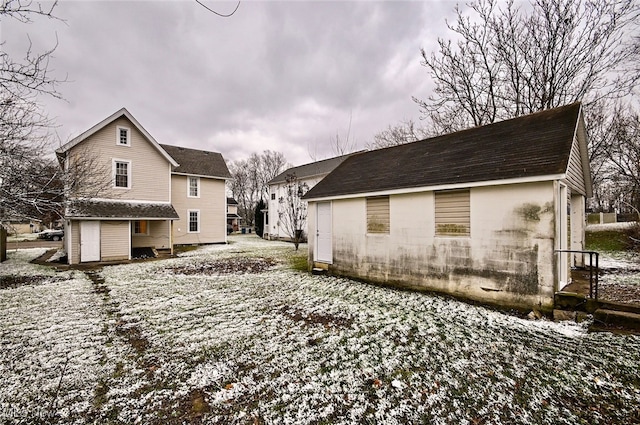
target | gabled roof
x=536, y=146
x=313, y=169
x=197, y=162
x=231, y=201
x=111, y=118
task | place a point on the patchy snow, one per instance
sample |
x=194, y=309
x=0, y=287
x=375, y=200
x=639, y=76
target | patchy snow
x=609, y=226
x=142, y=343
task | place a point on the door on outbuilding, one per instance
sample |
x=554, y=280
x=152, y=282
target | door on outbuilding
x=324, y=251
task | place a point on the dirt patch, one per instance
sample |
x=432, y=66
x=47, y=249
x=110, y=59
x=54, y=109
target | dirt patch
x=228, y=266
x=328, y=321
x=133, y=335
x=11, y=281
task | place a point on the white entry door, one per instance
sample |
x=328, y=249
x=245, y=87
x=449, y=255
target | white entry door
x=89, y=241
x=324, y=252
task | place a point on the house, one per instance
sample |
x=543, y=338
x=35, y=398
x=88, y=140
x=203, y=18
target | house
x=309, y=175
x=198, y=195
x=481, y=213
x=233, y=219
x=134, y=193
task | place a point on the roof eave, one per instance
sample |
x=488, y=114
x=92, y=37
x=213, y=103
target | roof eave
x=111, y=118
x=401, y=191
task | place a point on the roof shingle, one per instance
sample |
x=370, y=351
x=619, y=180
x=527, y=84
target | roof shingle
x=198, y=162
x=81, y=208
x=533, y=145
x=309, y=170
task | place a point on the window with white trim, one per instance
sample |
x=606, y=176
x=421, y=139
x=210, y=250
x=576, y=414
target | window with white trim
x=123, y=136
x=121, y=174
x=194, y=221
x=193, y=187
x=453, y=213
x=378, y=217
x=141, y=227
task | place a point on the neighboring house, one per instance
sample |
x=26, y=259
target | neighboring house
x=478, y=213
x=151, y=199
x=18, y=226
x=309, y=174
x=233, y=219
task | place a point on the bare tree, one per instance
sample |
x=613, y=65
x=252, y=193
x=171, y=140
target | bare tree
x=623, y=153
x=250, y=178
x=509, y=61
x=26, y=179
x=399, y=134
x=292, y=210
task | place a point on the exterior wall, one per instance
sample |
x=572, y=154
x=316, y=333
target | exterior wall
x=275, y=229
x=114, y=240
x=158, y=237
x=507, y=260
x=575, y=171
x=150, y=171
x=73, y=249
x=212, y=204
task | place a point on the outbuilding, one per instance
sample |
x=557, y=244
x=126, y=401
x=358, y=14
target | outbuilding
x=483, y=213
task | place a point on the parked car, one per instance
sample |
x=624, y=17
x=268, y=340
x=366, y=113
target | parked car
x=51, y=234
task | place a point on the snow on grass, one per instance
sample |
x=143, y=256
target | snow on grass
x=280, y=346
x=52, y=349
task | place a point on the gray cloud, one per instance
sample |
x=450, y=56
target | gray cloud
x=284, y=76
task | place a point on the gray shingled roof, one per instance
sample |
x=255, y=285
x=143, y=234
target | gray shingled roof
x=120, y=209
x=197, y=162
x=533, y=145
x=309, y=170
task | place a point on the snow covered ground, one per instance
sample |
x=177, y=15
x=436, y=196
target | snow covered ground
x=231, y=334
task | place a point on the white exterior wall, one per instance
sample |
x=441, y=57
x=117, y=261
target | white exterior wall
x=508, y=259
x=114, y=240
x=212, y=205
x=275, y=229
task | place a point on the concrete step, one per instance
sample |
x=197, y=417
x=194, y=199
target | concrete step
x=617, y=319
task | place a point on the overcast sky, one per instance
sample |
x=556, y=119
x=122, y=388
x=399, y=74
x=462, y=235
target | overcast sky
x=284, y=76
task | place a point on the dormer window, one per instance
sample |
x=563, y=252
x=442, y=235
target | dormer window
x=123, y=136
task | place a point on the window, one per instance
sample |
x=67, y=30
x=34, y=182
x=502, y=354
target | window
x=121, y=172
x=141, y=227
x=273, y=196
x=194, y=221
x=193, y=189
x=123, y=136
x=453, y=217
x=378, y=214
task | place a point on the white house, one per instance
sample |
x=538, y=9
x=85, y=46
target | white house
x=309, y=175
x=151, y=198
x=481, y=213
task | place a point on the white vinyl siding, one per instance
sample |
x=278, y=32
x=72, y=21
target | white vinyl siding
x=193, y=217
x=575, y=172
x=121, y=174
x=378, y=214
x=152, y=175
x=193, y=189
x=453, y=213
x=114, y=240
